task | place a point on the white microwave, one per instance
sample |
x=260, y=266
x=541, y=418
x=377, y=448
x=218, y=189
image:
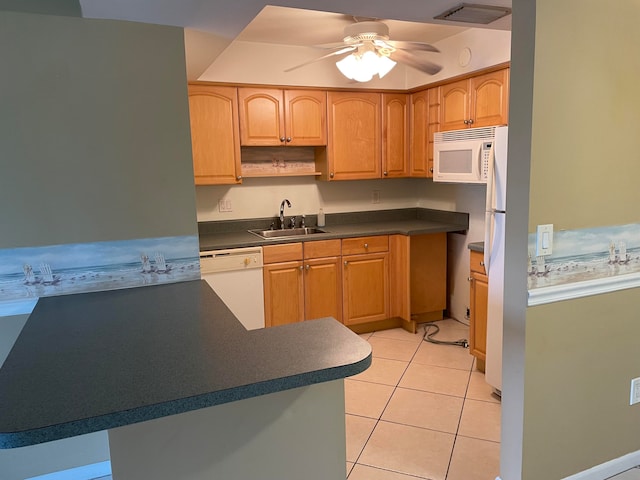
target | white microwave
x=463, y=156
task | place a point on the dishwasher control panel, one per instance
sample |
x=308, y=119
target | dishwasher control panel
x=231, y=259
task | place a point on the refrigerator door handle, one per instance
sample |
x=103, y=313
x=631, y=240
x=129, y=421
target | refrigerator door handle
x=489, y=208
x=488, y=239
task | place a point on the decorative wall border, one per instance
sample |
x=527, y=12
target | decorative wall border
x=585, y=262
x=29, y=273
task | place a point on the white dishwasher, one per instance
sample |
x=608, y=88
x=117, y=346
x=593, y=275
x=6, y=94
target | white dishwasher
x=236, y=276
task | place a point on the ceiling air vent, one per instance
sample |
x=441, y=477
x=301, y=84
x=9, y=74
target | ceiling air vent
x=474, y=13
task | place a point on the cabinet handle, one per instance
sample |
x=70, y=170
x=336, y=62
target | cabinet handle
x=431, y=169
x=331, y=175
x=385, y=173
x=346, y=263
x=469, y=279
x=282, y=139
x=239, y=177
x=366, y=245
x=466, y=122
x=288, y=139
x=470, y=121
x=481, y=263
x=307, y=267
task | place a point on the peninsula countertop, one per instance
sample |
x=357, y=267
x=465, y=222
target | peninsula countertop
x=101, y=360
x=408, y=221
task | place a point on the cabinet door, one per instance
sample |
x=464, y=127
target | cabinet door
x=490, y=99
x=261, y=117
x=305, y=117
x=428, y=274
x=323, y=288
x=213, y=113
x=418, y=125
x=283, y=293
x=354, y=145
x=454, y=106
x=434, y=125
x=395, y=136
x=479, y=290
x=365, y=288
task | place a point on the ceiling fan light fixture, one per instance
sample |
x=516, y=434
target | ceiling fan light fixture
x=362, y=66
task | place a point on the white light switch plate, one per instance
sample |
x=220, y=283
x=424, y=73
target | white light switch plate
x=544, y=240
x=635, y=391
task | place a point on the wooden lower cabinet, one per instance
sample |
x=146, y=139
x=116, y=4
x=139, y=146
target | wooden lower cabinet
x=479, y=291
x=322, y=288
x=365, y=288
x=283, y=293
x=367, y=283
x=322, y=280
x=303, y=282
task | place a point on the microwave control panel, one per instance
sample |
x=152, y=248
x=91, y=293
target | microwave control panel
x=485, y=158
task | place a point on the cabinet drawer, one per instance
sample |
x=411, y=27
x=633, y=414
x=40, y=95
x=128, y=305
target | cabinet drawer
x=354, y=246
x=477, y=262
x=322, y=248
x=286, y=252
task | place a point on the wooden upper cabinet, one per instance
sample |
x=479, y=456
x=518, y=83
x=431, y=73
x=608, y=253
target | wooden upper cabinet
x=418, y=133
x=455, y=106
x=306, y=117
x=395, y=135
x=213, y=113
x=491, y=99
x=274, y=117
x=354, y=139
x=424, y=121
x=480, y=101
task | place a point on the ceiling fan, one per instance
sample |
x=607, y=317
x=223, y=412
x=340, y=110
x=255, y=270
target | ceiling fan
x=367, y=50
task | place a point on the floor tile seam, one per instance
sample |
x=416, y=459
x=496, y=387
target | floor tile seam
x=491, y=402
x=429, y=391
x=394, y=471
x=416, y=426
x=455, y=439
x=415, y=341
x=478, y=438
x=369, y=381
x=417, y=362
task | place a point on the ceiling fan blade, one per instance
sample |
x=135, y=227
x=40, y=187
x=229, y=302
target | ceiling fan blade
x=421, y=46
x=341, y=51
x=419, y=64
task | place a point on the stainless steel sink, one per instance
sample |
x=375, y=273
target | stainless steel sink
x=287, y=232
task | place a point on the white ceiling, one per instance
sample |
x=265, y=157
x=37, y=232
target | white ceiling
x=306, y=22
x=213, y=26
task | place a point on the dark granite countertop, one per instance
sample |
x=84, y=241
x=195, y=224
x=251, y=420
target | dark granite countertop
x=409, y=221
x=101, y=360
x=476, y=246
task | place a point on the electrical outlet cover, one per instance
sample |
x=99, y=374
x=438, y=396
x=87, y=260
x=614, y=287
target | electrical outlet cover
x=635, y=391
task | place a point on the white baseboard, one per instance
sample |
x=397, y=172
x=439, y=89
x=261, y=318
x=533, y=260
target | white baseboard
x=86, y=472
x=607, y=469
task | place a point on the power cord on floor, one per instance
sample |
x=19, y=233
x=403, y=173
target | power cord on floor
x=428, y=337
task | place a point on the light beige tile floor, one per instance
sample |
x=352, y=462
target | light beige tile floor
x=429, y=413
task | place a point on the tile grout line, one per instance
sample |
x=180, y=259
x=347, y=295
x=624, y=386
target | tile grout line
x=455, y=438
x=395, y=387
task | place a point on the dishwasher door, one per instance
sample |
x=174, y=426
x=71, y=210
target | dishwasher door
x=236, y=276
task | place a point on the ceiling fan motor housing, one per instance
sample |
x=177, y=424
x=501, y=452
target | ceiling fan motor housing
x=362, y=31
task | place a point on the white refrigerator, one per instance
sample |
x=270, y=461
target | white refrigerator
x=494, y=238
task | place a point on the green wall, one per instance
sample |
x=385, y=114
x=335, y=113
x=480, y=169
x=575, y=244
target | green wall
x=94, y=146
x=570, y=363
x=94, y=132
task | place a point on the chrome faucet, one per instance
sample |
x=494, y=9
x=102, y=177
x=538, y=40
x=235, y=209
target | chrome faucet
x=282, y=211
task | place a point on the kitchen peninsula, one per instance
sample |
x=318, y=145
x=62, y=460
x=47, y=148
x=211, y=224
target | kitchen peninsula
x=183, y=389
